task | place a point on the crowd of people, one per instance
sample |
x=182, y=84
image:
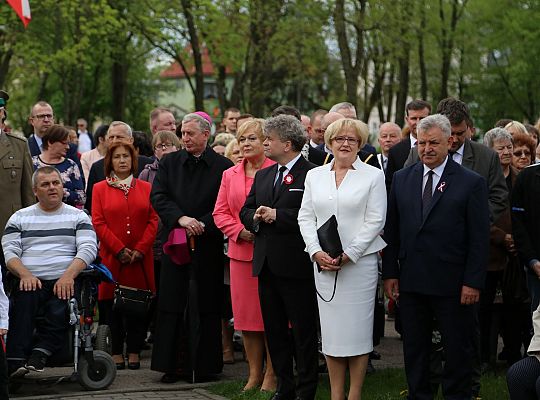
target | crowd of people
x=449, y=224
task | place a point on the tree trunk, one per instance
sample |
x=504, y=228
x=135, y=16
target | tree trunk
x=119, y=89
x=421, y=53
x=403, y=88
x=197, y=56
x=264, y=17
x=351, y=68
x=4, y=66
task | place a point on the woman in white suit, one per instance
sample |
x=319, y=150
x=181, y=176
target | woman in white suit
x=355, y=193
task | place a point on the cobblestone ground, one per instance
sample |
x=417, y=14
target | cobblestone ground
x=145, y=384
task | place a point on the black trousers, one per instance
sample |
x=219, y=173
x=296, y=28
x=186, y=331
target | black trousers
x=287, y=301
x=3, y=375
x=124, y=329
x=456, y=324
x=51, y=331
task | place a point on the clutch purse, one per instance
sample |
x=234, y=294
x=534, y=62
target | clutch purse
x=177, y=248
x=331, y=244
x=329, y=237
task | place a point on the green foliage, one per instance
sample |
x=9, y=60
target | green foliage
x=101, y=59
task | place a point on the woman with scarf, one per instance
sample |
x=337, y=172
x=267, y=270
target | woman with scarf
x=126, y=226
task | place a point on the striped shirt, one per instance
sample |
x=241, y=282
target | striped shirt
x=47, y=242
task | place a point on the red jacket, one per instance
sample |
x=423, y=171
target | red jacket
x=120, y=222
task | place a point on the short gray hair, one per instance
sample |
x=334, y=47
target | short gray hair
x=204, y=125
x=44, y=171
x=128, y=129
x=435, y=121
x=495, y=134
x=288, y=128
x=342, y=105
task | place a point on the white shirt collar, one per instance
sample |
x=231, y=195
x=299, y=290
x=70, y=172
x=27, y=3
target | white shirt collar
x=437, y=170
x=413, y=140
x=291, y=163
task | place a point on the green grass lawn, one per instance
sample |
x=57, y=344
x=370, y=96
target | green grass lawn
x=385, y=384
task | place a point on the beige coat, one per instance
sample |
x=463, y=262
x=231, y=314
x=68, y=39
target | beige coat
x=15, y=176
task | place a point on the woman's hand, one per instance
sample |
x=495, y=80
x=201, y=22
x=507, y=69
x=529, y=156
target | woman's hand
x=509, y=243
x=325, y=261
x=246, y=235
x=136, y=256
x=341, y=260
x=124, y=255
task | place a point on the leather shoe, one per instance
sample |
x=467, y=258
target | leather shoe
x=283, y=396
x=134, y=365
x=120, y=365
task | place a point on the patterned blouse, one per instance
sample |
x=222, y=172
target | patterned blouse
x=72, y=178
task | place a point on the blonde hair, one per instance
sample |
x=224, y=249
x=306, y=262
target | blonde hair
x=515, y=127
x=360, y=129
x=224, y=138
x=256, y=125
x=164, y=136
x=229, y=148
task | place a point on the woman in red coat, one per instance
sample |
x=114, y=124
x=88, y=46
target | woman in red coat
x=126, y=226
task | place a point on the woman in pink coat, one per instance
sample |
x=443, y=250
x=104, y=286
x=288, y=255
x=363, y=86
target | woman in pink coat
x=235, y=186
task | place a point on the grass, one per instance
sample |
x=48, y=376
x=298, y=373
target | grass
x=385, y=384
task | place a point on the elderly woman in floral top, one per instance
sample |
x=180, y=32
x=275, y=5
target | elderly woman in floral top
x=55, y=147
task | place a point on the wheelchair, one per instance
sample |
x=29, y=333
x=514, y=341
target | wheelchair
x=89, y=354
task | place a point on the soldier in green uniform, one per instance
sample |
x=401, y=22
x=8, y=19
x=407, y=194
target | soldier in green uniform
x=15, y=172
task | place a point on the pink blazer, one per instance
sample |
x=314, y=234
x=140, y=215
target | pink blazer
x=231, y=198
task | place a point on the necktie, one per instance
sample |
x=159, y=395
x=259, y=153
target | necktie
x=279, y=180
x=451, y=154
x=427, y=195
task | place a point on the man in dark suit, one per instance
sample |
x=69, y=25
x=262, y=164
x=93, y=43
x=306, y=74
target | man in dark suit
x=285, y=272
x=526, y=227
x=437, y=230
x=41, y=118
x=118, y=131
x=397, y=155
x=471, y=155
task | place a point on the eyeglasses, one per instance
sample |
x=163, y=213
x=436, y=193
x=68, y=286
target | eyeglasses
x=43, y=116
x=251, y=139
x=343, y=139
x=522, y=153
x=163, y=146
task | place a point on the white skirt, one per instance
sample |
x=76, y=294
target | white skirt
x=347, y=321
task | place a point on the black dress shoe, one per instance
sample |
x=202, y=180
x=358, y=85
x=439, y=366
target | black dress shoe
x=134, y=365
x=120, y=365
x=283, y=396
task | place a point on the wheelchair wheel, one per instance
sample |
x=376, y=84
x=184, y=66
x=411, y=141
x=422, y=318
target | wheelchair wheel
x=102, y=376
x=103, y=339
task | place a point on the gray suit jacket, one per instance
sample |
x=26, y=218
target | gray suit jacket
x=484, y=161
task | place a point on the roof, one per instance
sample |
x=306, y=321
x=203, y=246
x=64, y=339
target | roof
x=175, y=71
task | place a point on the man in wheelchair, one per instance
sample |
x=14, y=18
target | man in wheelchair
x=45, y=246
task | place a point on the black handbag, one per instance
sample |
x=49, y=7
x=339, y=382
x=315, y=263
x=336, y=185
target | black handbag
x=330, y=242
x=133, y=301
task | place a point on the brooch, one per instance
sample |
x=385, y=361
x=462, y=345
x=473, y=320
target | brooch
x=441, y=187
x=288, y=179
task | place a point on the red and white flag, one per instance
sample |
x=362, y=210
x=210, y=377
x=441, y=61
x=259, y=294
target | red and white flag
x=22, y=8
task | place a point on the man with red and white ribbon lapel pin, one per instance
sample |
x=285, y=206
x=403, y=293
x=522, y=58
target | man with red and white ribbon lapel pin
x=286, y=284
x=437, y=230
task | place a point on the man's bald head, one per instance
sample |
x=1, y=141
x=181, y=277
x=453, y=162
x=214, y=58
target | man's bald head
x=389, y=135
x=327, y=119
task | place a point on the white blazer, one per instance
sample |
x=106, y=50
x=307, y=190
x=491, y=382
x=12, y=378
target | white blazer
x=359, y=206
